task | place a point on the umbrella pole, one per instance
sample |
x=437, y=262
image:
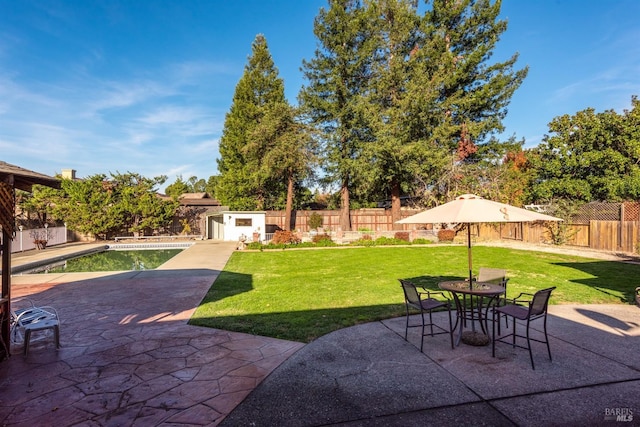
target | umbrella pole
x=469, y=255
x=473, y=322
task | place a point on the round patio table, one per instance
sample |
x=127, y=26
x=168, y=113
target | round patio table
x=476, y=310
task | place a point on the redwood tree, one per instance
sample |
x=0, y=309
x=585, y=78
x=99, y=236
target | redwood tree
x=338, y=78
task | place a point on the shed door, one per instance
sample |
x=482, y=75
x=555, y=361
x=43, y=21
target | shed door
x=216, y=228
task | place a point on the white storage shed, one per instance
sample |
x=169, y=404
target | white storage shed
x=233, y=225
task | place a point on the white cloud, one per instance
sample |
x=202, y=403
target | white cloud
x=193, y=71
x=207, y=146
x=146, y=122
x=169, y=115
x=114, y=95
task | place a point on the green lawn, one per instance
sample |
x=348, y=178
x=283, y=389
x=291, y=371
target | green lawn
x=303, y=294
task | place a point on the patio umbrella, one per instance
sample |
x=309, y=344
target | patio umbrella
x=471, y=209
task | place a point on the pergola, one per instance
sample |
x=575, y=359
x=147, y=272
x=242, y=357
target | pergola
x=12, y=178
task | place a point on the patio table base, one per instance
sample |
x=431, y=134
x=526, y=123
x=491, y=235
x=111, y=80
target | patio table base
x=475, y=338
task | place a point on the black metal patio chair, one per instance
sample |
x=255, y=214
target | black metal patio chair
x=499, y=277
x=426, y=304
x=535, y=308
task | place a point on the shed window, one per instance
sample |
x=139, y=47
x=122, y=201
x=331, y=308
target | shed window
x=243, y=222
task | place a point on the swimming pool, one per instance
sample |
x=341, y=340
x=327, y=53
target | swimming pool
x=117, y=257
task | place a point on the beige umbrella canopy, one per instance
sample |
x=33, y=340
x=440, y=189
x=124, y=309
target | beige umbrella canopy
x=471, y=209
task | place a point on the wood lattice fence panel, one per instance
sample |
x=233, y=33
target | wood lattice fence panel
x=598, y=211
x=631, y=211
x=7, y=208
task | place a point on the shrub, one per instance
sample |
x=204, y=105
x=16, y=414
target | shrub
x=323, y=240
x=421, y=241
x=315, y=221
x=446, y=235
x=402, y=235
x=285, y=237
x=363, y=242
x=386, y=241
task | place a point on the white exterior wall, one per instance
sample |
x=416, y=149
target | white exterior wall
x=234, y=225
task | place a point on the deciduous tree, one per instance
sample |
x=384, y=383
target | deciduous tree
x=90, y=206
x=136, y=198
x=105, y=207
x=38, y=204
x=589, y=157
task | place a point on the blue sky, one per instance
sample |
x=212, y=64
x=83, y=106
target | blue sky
x=143, y=86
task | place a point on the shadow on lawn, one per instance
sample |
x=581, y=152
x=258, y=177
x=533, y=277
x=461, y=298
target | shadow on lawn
x=228, y=284
x=302, y=326
x=609, y=276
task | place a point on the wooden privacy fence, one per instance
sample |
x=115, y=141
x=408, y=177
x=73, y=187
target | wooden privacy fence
x=615, y=236
x=361, y=219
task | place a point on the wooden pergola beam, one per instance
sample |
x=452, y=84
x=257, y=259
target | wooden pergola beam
x=12, y=177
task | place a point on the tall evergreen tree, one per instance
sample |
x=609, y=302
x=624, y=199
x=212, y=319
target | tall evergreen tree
x=399, y=96
x=178, y=188
x=396, y=106
x=473, y=93
x=439, y=95
x=211, y=185
x=287, y=148
x=337, y=82
x=241, y=185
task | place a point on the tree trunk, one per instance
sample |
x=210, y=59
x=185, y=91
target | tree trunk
x=345, y=214
x=260, y=201
x=395, y=205
x=289, y=207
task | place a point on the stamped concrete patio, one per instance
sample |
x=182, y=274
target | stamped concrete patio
x=128, y=356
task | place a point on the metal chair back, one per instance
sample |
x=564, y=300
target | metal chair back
x=540, y=302
x=411, y=294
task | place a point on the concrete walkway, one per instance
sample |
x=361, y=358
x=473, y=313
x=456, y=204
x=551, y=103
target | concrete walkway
x=129, y=358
